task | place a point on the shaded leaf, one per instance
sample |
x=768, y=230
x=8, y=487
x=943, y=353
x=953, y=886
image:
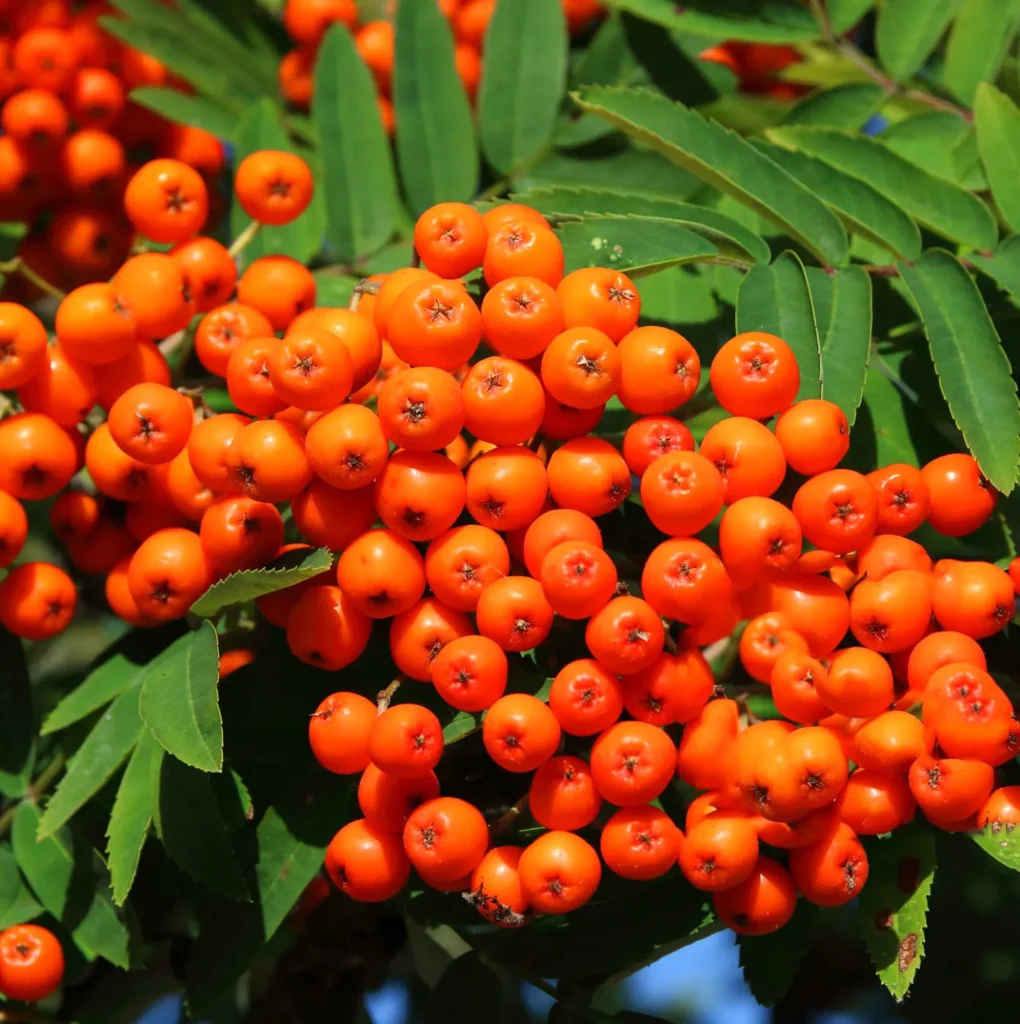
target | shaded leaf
x=16, y=725
x=180, y=700
x=894, y=904
x=843, y=309
x=1003, y=265
x=908, y=30
x=332, y=289
x=62, y=873
x=467, y=990
x=679, y=295
x=770, y=962
x=95, y=762
x=998, y=133
x=630, y=244
x=844, y=106
x=461, y=726
x=291, y=839
x=132, y=815
x=359, y=187
x=197, y=111
x=972, y=366
x=780, y=21
x=845, y=14
x=260, y=128
x=606, y=58
x=978, y=43
x=523, y=79
x=931, y=141
x=939, y=205
x=435, y=136
x=777, y=299
x=241, y=587
x=637, y=171
x=17, y=905
x=670, y=69
x=859, y=206
x=1001, y=841
x=724, y=160
x=189, y=823
x=718, y=228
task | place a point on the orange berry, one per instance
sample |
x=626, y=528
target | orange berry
x=273, y=187
x=166, y=201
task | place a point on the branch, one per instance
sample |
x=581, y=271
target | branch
x=18, y=266
x=240, y=243
x=502, y=823
x=384, y=697
x=34, y=791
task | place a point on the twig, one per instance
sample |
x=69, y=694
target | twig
x=239, y=244
x=383, y=697
x=415, y=257
x=822, y=17
x=18, y=266
x=363, y=287
x=505, y=820
x=35, y=790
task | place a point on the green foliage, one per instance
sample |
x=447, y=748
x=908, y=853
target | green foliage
x=16, y=723
x=240, y=587
x=770, y=962
x=357, y=170
x=908, y=30
x=436, y=146
x=522, y=83
x=179, y=702
x=894, y=904
x=998, y=132
x=631, y=244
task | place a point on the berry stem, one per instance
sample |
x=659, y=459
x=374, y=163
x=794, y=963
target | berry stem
x=505, y=820
x=384, y=697
x=34, y=791
x=363, y=287
x=19, y=266
x=240, y=243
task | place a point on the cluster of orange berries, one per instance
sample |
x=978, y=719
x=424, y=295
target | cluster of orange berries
x=483, y=553
x=31, y=963
x=307, y=22
x=71, y=136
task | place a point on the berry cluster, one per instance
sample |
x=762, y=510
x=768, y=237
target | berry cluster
x=355, y=416
x=71, y=137
x=307, y=22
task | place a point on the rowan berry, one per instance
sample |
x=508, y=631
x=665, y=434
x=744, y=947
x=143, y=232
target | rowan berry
x=559, y=872
x=587, y=474
x=506, y=488
x=406, y=740
x=521, y=316
x=238, y=533
x=521, y=247
x=421, y=408
x=62, y=388
x=166, y=200
x=960, y=499
x=332, y=518
x=832, y=870
x=383, y=574
x=273, y=187
x=434, y=323
x=168, y=573
x=563, y=795
x=37, y=601
x=470, y=673
x=366, y=862
x=347, y=447
x=682, y=493
x=338, y=732
x=387, y=800
x=419, y=495
x=418, y=635
x=496, y=890
x=31, y=963
x=581, y=368
x=278, y=287
x=520, y=732
x=325, y=630
x=445, y=838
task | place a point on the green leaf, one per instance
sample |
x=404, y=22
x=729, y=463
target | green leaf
x=180, y=700
x=894, y=904
x=998, y=132
x=467, y=990
x=845, y=14
x=291, y=840
x=99, y=687
x=1003, y=265
x=972, y=366
x=462, y=725
x=435, y=136
x=778, y=21
x=189, y=823
x=723, y=231
x=241, y=587
x=260, y=128
x=930, y=141
x=630, y=244
x=944, y=208
x=777, y=299
x=637, y=171
x=16, y=725
x=17, y=905
x=844, y=106
x=606, y=59
x=843, y=308
x=197, y=111
x=858, y=205
x=523, y=78
x=132, y=815
x=62, y=873
x=978, y=44
x=332, y=289
x=724, y=160
x=671, y=70
x=1000, y=841
x=770, y=962
x=908, y=31
x=882, y=434
x=679, y=296
x=359, y=186
x=95, y=762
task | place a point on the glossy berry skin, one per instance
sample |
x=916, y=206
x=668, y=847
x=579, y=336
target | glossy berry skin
x=31, y=963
